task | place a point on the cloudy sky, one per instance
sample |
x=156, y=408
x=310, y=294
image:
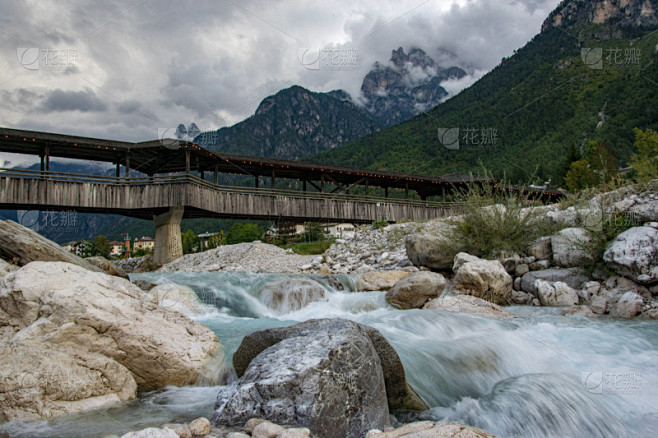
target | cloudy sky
x=127, y=69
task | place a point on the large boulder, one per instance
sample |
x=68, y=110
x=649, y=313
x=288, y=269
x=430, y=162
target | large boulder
x=434, y=250
x=628, y=306
x=570, y=247
x=39, y=382
x=645, y=211
x=399, y=395
x=555, y=294
x=574, y=277
x=378, y=280
x=414, y=291
x=486, y=279
x=285, y=295
x=634, y=254
x=329, y=375
x=107, y=266
x=26, y=245
x=68, y=309
x=467, y=304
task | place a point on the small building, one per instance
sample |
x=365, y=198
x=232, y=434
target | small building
x=144, y=243
x=207, y=239
x=340, y=230
x=116, y=248
x=81, y=248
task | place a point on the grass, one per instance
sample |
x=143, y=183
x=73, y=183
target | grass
x=309, y=248
x=496, y=222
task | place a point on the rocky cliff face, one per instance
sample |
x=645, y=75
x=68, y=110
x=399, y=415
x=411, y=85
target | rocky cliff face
x=618, y=12
x=294, y=123
x=408, y=85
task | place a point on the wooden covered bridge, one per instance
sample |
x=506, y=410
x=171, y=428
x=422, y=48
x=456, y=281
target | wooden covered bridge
x=174, y=179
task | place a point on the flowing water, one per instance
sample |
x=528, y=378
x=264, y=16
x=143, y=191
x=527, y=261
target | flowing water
x=538, y=374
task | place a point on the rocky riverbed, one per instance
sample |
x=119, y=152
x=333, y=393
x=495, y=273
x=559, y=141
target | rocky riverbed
x=76, y=336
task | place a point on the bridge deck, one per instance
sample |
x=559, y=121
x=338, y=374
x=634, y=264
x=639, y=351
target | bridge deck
x=146, y=197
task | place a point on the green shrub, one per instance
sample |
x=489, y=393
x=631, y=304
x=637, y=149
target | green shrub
x=379, y=224
x=497, y=221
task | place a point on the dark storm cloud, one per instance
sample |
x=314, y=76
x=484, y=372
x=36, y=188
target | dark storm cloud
x=153, y=64
x=60, y=100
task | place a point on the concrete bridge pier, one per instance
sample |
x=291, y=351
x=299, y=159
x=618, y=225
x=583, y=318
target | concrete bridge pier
x=168, y=245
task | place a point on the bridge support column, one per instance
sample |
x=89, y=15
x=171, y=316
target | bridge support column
x=168, y=245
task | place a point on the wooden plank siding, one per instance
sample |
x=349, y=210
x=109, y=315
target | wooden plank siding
x=146, y=200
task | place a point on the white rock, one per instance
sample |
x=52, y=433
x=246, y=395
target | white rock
x=486, y=279
x=413, y=291
x=371, y=280
x=628, y=306
x=6, y=268
x=77, y=312
x=466, y=304
x=589, y=289
x=555, y=294
x=570, y=247
x=599, y=304
x=634, y=254
x=646, y=212
x=462, y=258
x=200, y=426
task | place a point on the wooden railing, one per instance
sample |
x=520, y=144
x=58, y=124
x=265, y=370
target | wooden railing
x=192, y=179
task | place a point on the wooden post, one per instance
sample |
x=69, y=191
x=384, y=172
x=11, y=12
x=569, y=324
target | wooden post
x=367, y=188
x=443, y=193
x=273, y=181
x=127, y=165
x=118, y=170
x=322, y=184
x=256, y=181
x=304, y=184
x=202, y=174
x=187, y=162
x=386, y=192
x=216, y=176
x=406, y=190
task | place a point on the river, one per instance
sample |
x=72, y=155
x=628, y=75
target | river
x=537, y=374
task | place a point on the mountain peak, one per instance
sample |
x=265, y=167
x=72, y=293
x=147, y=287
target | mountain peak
x=408, y=85
x=625, y=13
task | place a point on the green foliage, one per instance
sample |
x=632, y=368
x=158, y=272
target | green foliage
x=379, y=224
x=101, y=246
x=497, y=222
x=645, y=162
x=139, y=252
x=191, y=242
x=580, y=176
x=243, y=233
x=541, y=101
x=313, y=231
x=217, y=240
x=310, y=248
x=602, y=160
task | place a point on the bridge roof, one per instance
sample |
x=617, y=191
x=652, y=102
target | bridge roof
x=169, y=156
